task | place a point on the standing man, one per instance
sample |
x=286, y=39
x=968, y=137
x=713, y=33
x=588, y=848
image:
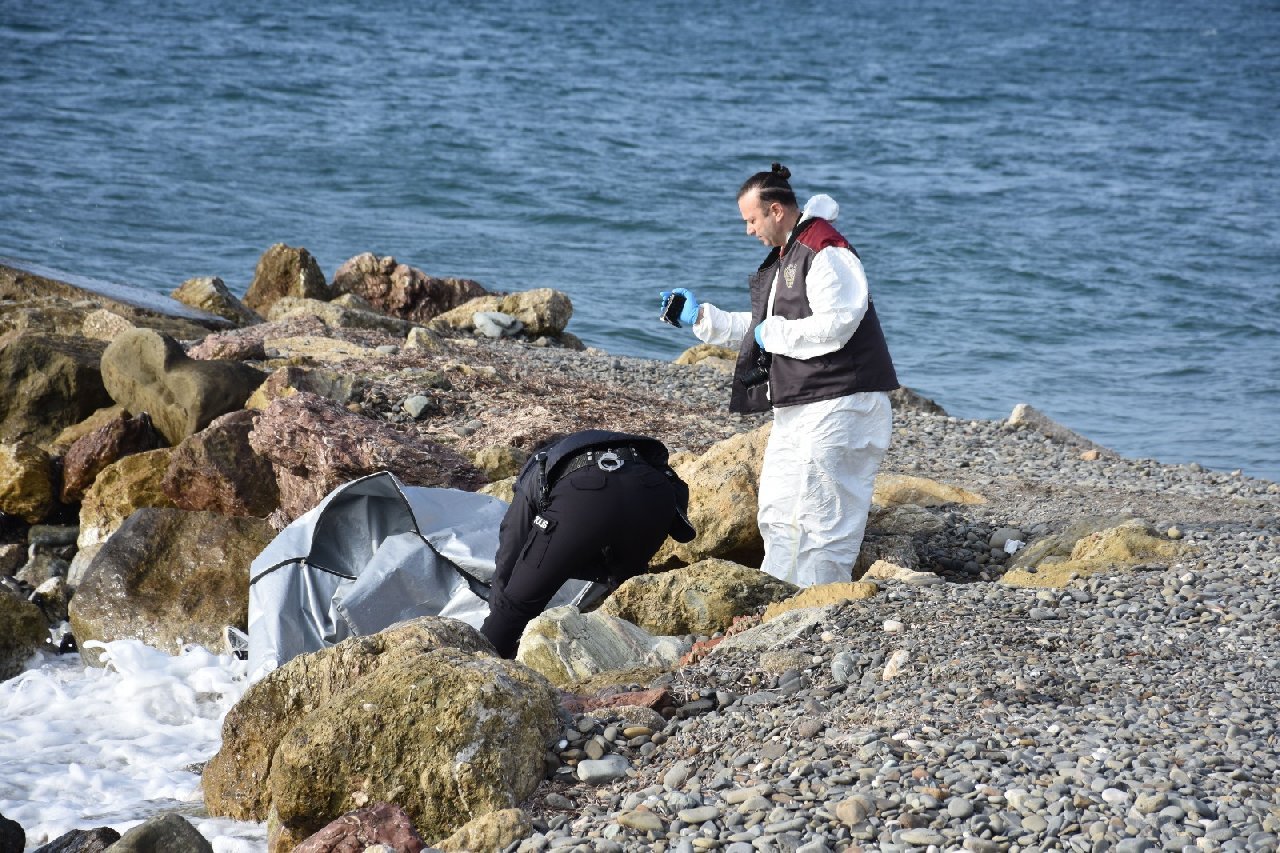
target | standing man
x=812, y=349
x=593, y=505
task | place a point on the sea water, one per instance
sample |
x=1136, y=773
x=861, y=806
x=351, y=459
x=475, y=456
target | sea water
x=83, y=747
x=1069, y=203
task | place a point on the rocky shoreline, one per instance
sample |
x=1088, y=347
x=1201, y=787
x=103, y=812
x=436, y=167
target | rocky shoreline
x=1050, y=647
x=1129, y=711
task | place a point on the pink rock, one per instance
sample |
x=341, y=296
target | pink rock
x=216, y=470
x=655, y=698
x=316, y=445
x=401, y=290
x=91, y=453
x=381, y=823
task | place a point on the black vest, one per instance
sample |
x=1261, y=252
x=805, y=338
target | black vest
x=862, y=364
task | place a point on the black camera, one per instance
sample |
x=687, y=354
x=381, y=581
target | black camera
x=759, y=374
x=671, y=308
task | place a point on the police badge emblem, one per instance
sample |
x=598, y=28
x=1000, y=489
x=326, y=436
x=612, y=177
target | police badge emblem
x=789, y=275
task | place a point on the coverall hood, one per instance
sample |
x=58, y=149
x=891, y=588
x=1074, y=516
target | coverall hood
x=821, y=206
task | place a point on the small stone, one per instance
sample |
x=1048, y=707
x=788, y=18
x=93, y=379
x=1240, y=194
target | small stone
x=676, y=776
x=809, y=728
x=741, y=795
x=1115, y=796
x=922, y=837
x=698, y=815
x=643, y=821
x=599, y=772
x=893, y=668
x=854, y=810
x=416, y=405
x=558, y=801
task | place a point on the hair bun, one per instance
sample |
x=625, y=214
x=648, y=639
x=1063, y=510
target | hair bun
x=781, y=171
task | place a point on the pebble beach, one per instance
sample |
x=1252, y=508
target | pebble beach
x=1128, y=711
x=1136, y=711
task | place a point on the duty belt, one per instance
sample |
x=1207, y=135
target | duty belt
x=606, y=459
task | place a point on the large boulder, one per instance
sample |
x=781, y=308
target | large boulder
x=907, y=519
x=1028, y=417
x=319, y=349
x=119, y=437
x=781, y=632
x=900, y=489
x=216, y=470
x=494, y=831
x=250, y=343
x=400, y=290
x=148, y=372
x=899, y=534
x=500, y=461
x=234, y=780
x=128, y=484
x=26, y=482
x=317, y=445
x=121, y=488
x=104, y=325
x=337, y=385
x=163, y=833
x=48, y=383
x=724, y=483
x=709, y=355
x=569, y=647
x=285, y=271
x=822, y=595
x=699, y=599
x=904, y=399
x=169, y=578
x=542, y=312
x=211, y=294
x=96, y=840
x=23, y=632
x=69, y=436
x=448, y=735
x=1111, y=549
x=887, y=570
x=13, y=839
x=337, y=316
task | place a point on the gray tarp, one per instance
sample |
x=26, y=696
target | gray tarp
x=372, y=553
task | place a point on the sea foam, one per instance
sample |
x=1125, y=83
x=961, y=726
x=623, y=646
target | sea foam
x=83, y=747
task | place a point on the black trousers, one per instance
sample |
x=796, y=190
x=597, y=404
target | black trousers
x=598, y=525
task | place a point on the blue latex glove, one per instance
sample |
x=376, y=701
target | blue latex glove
x=760, y=342
x=689, y=313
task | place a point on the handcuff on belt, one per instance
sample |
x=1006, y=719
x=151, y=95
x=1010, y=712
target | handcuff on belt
x=610, y=459
x=607, y=459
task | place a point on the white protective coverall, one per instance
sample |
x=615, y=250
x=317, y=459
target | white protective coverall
x=821, y=460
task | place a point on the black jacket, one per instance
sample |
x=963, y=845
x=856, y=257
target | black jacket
x=538, y=476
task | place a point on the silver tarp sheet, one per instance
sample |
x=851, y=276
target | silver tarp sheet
x=372, y=553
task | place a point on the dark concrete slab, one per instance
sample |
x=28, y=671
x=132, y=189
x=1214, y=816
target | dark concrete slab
x=20, y=279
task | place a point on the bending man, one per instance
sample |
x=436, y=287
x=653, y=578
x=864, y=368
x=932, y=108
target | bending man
x=812, y=349
x=593, y=506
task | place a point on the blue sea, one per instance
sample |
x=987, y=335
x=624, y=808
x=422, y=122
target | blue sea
x=1066, y=203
